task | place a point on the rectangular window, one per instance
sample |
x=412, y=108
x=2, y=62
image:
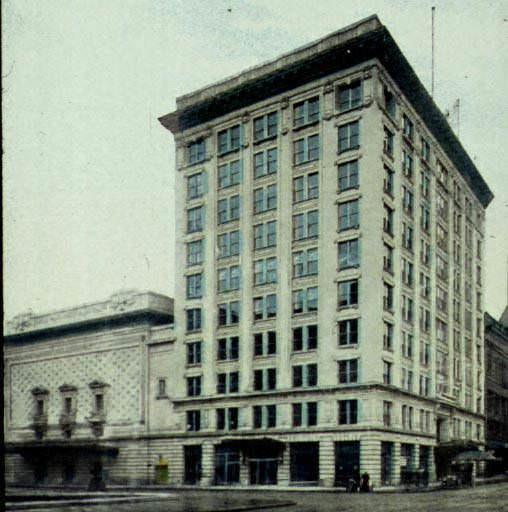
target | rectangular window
x=195, y=252
x=349, y=136
x=265, y=198
x=265, y=379
x=388, y=181
x=407, y=200
x=264, y=416
x=348, y=371
x=227, y=383
x=348, y=332
x=407, y=272
x=228, y=244
x=228, y=209
x=227, y=419
x=304, y=414
x=305, y=225
x=193, y=319
x=387, y=372
x=349, y=254
x=195, y=185
x=390, y=103
x=265, y=126
x=348, y=293
x=193, y=421
x=265, y=271
x=407, y=236
x=407, y=128
x=407, y=308
x=228, y=279
x=265, y=162
x=388, y=336
x=194, y=386
x=305, y=301
x=388, y=297
x=195, y=219
x=387, y=413
x=265, y=235
x=350, y=96
x=305, y=338
x=305, y=263
x=305, y=375
x=161, y=389
x=348, y=175
x=194, y=352
x=425, y=150
x=229, y=174
x=265, y=307
x=425, y=183
x=265, y=343
x=349, y=215
x=306, y=149
x=306, y=112
x=306, y=187
x=387, y=258
x=196, y=152
x=194, y=286
x=229, y=140
x=388, y=220
x=407, y=164
x=348, y=412
x=228, y=313
x=388, y=142
x=227, y=348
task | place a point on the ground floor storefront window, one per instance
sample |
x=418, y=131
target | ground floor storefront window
x=386, y=463
x=347, y=462
x=304, y=462
x=227, y=465
x=406, y=463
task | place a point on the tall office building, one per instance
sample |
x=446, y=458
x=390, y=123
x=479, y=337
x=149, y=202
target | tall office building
x=329, y=263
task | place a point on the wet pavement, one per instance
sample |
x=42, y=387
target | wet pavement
x=486, y=498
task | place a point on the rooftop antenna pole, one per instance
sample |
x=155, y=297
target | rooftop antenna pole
x=432, y=87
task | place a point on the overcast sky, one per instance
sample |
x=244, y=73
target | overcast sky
x=88, y=171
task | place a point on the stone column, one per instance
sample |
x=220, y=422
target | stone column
x=370, y=460
x=207, y=463
x=326, y=462
x=396, y=463
x=283, y=469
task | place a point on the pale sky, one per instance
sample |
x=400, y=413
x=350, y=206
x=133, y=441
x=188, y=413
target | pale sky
x=88, y=171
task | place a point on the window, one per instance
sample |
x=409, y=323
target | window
x=407, y=308
x=425, y=217
x=306, y=187
x=407, y=164
x=228, y=279
x=265, y=126
x=305, y=225
x=407, y=417
x=161, y=390
x=442, y=175
x=388, y=142
x=387, y=258
x=195, y=252
x=441, y=268
x=265, y=343
x=348, y=175
x=227, y=383
x=348, y=215
x=348, y=412
x=193, y=319
x=195, y=219
x=441, y=299
x=265, y=235
x=425, y=183
x=228, y=209
x=194, y=286
x=306, y=149
x=305, y=338
x=264, y=416
x=425, y=150
x=229, y=313
x=227, y=348
x=194, y=386
x=390, y=103
x=229, y=174
x=350, y=96
x=68, y=403
x=265, y=198
x=387, y=372
x=388, y=220
x=387, y=413
x=407, y=379
x=348, y=293
x=407, y=236
x=388, y=181
x=305, y=301
x=227, y=419
x=407, y=345
x=265, y=162
x=424, y=252
x=305, y=112
x=424, y=285
x=193, y=421
x=305, y=375
x=349, y=136
x=99, y=403
x=348, y=332
x=388, y=297
x=265, y=271
x=228, y=244
x=195, y=185
x=441, y=331
x=442, y=206
x=304, y=414
x=265, y=379
x=424, y=385
x=305, y=263
x=349, y=254
x=388, y=336
x=196, y=152
x=265, y=307
x=407, y=128
x=229, y=140
x=407, y=200
x=194, y=352
x=407, y=272
x=348, y=371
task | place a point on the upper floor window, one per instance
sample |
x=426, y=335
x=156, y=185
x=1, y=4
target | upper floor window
x=305, y=375
x=265, y=271
x=349, y=215
x=229, y=139
x=265, y=235
x=229, y=313
x=407, y=128
x=348, y=175
x=305, y=338
x=228, y=209
x=348, y=332
x=195, y=252
x=304, y=414
x=388, y=142
x=194, y=286
x=349, y=254
x=227, y=419
x=305, y=301
x=388, y=220
x=265, y=379
x=228, y=278
x=388, y=181
x=387, y=258
x=425, y=150
x=265, y=162
x=349, y=136
x=348, y=293
x=305, y=112
x=193, y=421
x=228, y=244
x=306, y=149
x=265, y=198
x=265, y=343
x=350, y=96
x=194, y=386
x=194, y=353
x=425, y=183
x=388, y=297
x=195, y=219
x=264, y=416
x=389, y=101
x=265, y=126
x=348, y=371
x=305, y=263
x=196, y=151
x=387, y=372
x=195, y=185
x=306, y=187
x=388, y=336
x=229, y=174
x=193, y=319
x=348, y=412
x=227, y=348
x=227, y=383
x=407, y=164
x=265, y=307
x=305, y=225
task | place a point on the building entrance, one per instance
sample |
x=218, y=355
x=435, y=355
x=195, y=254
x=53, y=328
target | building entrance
x=304, y=462
x=386, y=463
x=192, y=461
x=347, y=462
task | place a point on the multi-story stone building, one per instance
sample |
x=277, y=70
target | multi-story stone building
x=330, y=231
x=496, y=389
x=76, y=383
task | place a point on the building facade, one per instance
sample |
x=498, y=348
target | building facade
x=329, y=257
x=76, y=383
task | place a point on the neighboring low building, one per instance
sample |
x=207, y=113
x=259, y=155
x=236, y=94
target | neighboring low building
x=496, y=389
x=75, y=390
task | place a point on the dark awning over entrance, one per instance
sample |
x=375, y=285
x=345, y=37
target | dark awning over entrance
x=256, y=447
x=48, y=448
